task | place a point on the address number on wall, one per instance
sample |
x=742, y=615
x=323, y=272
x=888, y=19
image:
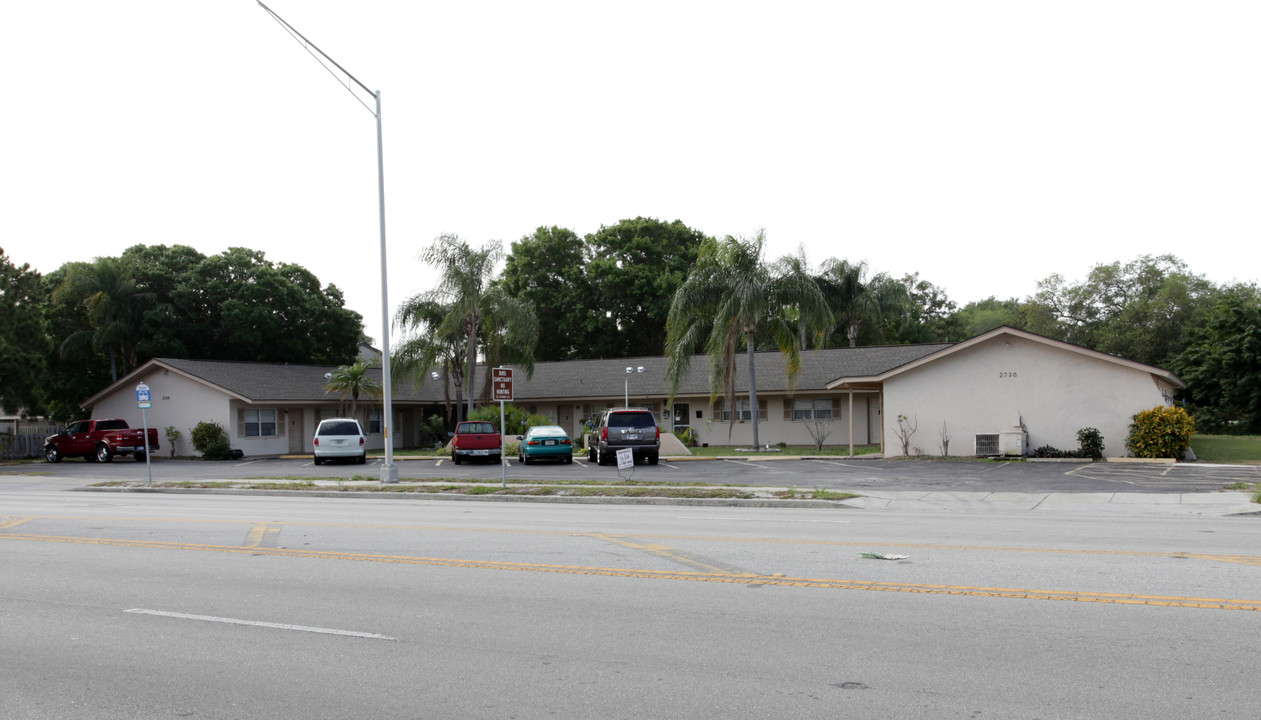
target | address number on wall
x=1007, y=374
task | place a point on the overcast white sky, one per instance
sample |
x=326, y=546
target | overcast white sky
x=984, y=145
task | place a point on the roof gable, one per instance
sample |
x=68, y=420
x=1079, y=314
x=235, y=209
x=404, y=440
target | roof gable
x=1006, y=331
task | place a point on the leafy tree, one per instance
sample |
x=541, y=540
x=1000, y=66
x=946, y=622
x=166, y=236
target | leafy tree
x=169, y=327
x=24, y=342
x=352, y=381
x=113, y=304
x=479, y=311
x=732, y=297
x=263, y=312
x=924, y=315
x=979, y=317
x=547, y=270
x=634, y=269
x=1142, y=310
x=1222, y=365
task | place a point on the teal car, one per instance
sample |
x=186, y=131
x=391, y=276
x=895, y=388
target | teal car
x=545, y=442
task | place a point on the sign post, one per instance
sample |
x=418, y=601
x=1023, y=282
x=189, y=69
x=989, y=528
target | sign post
x=144, y=403
x=501, y=384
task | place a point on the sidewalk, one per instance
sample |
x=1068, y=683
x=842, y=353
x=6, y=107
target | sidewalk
x=1208, y=504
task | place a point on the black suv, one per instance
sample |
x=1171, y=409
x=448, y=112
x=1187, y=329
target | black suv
x=620, y=428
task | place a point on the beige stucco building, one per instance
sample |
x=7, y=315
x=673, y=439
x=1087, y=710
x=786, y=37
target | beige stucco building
x=1006, y=391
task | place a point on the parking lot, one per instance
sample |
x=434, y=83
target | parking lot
x=838, y=473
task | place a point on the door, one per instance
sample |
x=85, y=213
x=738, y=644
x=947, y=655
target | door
x=682, y=415
x=297, y=437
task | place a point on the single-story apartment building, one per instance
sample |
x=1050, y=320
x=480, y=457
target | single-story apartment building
x=1003, y=392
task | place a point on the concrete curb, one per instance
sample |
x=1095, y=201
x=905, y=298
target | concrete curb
x=555, y=499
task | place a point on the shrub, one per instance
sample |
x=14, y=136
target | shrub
x=1090, y=441
x=209, y=439
x=172, y=437
x=516, y=420
x=1162, y=432
x=1046, y=451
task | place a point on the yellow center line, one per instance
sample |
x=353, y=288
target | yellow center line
x=1240, y=559
x=718, y=577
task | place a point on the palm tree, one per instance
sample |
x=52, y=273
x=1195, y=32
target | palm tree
x=730, y=299
x=478, y=311
x=114, y=306
x=855, y=299
x=353, y=380
x=425, y=349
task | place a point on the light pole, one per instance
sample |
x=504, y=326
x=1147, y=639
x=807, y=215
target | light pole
x=389, y=471
x=626, y=399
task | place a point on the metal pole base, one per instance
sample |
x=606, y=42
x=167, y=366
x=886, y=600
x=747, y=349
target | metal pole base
x=389, y=474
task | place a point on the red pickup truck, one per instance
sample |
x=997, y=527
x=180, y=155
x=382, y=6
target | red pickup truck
x=476, y=438
x=99, y=441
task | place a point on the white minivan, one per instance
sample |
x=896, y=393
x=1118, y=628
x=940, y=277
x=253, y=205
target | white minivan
x=339, y=438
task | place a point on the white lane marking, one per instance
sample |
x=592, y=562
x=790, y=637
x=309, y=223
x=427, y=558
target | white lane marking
x=693, y=517
x=258, y=623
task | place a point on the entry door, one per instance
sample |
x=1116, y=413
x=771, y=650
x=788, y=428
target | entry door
x=682, y=413
x=297, y=438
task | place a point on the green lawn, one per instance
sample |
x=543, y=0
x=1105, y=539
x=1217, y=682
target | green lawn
x=1242, y=449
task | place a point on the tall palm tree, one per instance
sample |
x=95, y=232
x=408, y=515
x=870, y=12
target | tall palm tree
x=354, y=380
x=424, y=349
x=479, y=311
x=855, y=299
x=731, y=299
x=114, y=305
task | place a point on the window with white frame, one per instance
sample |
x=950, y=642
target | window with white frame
x=260, y=423
x=374, y=422
x=812, y=409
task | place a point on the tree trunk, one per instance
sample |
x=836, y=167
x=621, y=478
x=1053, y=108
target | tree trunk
x=471, y=352
x=752, y=387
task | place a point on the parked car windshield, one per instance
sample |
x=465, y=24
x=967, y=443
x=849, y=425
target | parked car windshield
x=340, y=427
x=631, y=419
x=547, y=430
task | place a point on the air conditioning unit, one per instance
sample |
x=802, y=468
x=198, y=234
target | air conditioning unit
x=987, y=444
x=1011, y=443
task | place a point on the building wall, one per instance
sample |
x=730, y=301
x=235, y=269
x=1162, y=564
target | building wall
x=176, y=401
x=1009, y=381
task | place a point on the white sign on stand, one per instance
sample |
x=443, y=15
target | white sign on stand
x=625, y=459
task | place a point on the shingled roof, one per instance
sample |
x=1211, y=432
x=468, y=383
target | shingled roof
x=260, y=383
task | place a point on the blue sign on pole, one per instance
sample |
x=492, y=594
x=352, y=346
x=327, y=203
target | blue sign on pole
x=142, y=395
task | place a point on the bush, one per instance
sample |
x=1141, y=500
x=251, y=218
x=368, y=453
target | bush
x=516, y=420
x=1162, y=432
x=1090, y=441
x=209, y=439
x=1046, y=451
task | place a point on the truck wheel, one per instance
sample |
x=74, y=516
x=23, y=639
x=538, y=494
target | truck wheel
x=653, y=458
x=103, y=453
x=455, y=458
x=139, y=457
x=591, y=454
x=52, y=454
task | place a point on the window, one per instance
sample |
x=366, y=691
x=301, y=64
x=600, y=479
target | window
x=260, y=423
x=812, y=409
x=742, y=410
x=374, y=422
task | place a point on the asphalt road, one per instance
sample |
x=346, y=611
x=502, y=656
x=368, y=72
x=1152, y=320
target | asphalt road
x=158, y=606
x=854, y=475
